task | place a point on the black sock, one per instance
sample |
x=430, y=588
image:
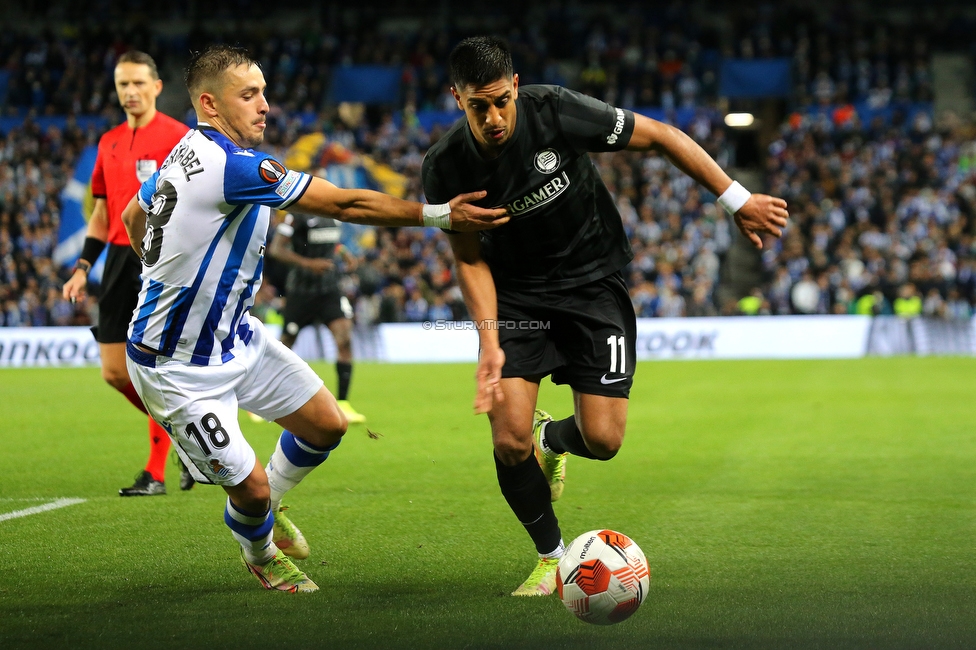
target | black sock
x=563, y=435
x=525, y=488
x=344, y=370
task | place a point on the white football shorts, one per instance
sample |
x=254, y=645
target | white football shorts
x=198, y=405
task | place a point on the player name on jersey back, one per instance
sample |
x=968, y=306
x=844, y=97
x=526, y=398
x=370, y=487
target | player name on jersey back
x=186, y=158
x=208, y=212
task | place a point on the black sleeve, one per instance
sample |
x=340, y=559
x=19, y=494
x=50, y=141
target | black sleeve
x=592, y=125
x=434, y=190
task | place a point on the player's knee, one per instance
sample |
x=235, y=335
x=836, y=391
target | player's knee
x=343, y=341
x=254, y=498
x=330, y=427
x=604, y=444
x=604, y=450
x=511, y=451
x=339, y=424
x=117, y=378
x=261, y=495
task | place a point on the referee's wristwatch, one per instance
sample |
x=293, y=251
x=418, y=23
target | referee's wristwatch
x=82, y=265
x=89, y=254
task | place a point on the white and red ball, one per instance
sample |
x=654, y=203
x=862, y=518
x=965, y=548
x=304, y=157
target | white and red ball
x=603, y=577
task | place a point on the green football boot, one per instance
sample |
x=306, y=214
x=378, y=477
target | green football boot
x=352, y=415
x=553, y=465
x=287, y=537
x=542, y=580
x=279, y=573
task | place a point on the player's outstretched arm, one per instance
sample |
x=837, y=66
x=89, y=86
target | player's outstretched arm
x=478, y=288
x=378, y=209
x=134, y=220
x=754, y=214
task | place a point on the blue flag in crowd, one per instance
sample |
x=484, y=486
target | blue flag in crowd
x=71, y=233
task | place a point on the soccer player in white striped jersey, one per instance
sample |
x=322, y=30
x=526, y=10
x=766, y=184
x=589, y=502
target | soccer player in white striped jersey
x=194, y=353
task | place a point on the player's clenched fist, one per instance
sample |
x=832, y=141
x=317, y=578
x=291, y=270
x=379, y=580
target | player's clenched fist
x=762, y=214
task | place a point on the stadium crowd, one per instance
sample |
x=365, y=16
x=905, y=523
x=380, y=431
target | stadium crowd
x=35, y=166
x=629, y=54
x=883, y=213
x=883, y=219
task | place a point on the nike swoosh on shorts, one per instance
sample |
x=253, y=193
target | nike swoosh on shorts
x=605, y=381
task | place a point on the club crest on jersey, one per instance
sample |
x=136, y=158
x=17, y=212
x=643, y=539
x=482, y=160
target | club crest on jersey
x=547, y=161
x=219, y=469
x=145, y=169
x=271, y=170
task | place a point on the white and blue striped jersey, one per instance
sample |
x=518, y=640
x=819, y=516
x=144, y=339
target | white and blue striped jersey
x=208, y=211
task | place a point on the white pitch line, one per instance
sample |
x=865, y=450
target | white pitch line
x=54, y=505
x=25, y=499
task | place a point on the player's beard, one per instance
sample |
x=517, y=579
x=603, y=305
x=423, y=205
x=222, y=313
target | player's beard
x=249, y=139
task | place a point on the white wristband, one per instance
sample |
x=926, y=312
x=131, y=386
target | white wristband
x=734, y=198
x=437, y=215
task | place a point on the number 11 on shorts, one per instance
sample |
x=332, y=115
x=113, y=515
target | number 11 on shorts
x=613, y=341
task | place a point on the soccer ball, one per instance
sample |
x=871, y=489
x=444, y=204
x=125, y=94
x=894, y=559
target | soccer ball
x=603, y=577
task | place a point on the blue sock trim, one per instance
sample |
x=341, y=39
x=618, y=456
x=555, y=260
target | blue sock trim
x=248, y=531
x=298, y=454
x=310, y=446
x=245, y=513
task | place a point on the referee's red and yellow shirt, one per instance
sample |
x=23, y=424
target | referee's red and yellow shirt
x=127, y=157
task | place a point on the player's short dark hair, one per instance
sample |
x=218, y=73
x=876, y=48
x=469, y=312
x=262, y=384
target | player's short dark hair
x=480, y=60
x=135, y=56
x=207, y=67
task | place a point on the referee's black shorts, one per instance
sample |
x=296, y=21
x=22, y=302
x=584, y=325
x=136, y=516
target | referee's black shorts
x=119, y=295
x=584, y=336
x=302, y=309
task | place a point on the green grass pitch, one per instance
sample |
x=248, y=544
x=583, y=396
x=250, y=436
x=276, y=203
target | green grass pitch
x=802, y=504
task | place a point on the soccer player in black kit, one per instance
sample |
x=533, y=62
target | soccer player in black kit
x=310, y=246
x=546, y=289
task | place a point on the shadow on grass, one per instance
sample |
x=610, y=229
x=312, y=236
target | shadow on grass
x=171, y=612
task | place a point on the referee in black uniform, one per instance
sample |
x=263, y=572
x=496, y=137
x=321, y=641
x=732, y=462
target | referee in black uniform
x=546, y=289
x=311, y=247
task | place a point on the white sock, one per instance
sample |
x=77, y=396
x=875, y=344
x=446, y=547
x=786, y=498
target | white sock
x=293, y=459
x=542, y=438
x=252, y=533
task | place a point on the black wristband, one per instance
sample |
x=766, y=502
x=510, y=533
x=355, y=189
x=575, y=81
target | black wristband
x=91, y=250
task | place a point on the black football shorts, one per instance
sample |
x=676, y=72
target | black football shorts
x=584, y=336
x=119, y=294
x=302, y=309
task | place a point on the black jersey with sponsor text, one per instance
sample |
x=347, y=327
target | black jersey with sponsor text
x=565, y=229
x=317, y=238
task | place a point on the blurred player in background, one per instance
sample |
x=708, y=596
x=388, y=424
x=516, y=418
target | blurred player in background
x=310, y=246
x=556, y=264
x=127, y=156
x=194, y=352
